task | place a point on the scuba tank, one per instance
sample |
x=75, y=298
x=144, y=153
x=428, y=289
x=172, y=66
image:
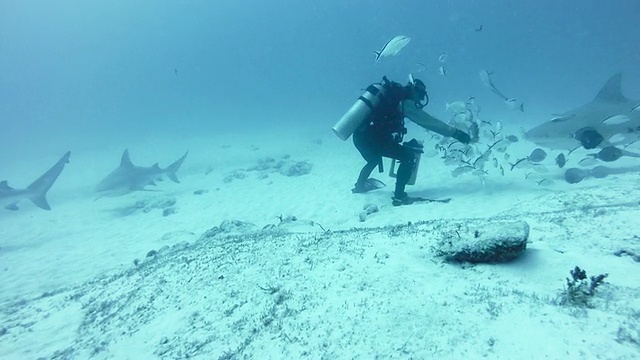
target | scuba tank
x=359, y=111
x=416, y=147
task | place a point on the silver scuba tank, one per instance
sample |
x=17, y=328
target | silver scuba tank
x=358, y=112
x=417, y=148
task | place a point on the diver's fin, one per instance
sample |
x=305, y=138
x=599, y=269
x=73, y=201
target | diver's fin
x=369, y=185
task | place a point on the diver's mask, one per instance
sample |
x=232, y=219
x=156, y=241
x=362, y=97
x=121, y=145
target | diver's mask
x=418, y=92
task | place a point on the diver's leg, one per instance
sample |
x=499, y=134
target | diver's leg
x=404, y=174
x=407, y=163
x=370, y=152
x=359, y=186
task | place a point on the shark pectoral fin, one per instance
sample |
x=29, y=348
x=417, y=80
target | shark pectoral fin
x=12, y=206
x=40, y=201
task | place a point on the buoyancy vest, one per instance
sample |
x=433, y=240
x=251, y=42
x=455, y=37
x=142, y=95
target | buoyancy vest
x=387, y=118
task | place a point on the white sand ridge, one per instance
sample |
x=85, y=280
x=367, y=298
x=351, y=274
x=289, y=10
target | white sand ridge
x=360, y=292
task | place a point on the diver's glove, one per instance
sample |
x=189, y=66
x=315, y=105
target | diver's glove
x=461, y=136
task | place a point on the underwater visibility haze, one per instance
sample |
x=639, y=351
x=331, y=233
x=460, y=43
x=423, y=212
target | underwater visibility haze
x=171, y=187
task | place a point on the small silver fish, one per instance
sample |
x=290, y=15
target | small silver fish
x=616, y=120
x=501, y=145
x=539, y=168
x=442, y=71
x=617, y=138
x=451, y=161
x=588, y=161
x=521, y=163
x=513, y=104
x=480, y=172
x=443, y=58
x=456, y=107
x=545, y=182
x=485, y=78
x=461, y=170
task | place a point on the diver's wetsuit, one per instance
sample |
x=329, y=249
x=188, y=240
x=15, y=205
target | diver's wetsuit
x=381, y=136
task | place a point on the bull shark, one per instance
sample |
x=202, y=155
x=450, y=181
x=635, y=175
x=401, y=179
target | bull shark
x=560, y=132
x=37, y=191
x=128, y=178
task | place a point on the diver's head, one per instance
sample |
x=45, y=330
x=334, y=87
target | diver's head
x=417, y=91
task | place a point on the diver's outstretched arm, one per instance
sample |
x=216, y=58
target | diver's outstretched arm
x=431, y=123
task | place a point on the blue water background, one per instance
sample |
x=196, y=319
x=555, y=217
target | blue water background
x=77, y=74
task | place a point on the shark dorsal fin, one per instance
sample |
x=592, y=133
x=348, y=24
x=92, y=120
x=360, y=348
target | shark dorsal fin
x=126, y=161
x=156, y=166
x=611, y=91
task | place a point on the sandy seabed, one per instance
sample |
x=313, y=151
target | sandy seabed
x=144, y=276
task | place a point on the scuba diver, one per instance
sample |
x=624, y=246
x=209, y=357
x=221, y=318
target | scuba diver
x=376, y=121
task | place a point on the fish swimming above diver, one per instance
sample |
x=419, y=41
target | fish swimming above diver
x=37, y=191
x=535, y=158
x=511, y=103
x=392, y=47
x=604, y=116
x=128, y=178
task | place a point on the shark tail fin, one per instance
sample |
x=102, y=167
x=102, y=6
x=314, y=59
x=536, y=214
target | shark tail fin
x=40, y=200
x=38, y=189
x=173, y=168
